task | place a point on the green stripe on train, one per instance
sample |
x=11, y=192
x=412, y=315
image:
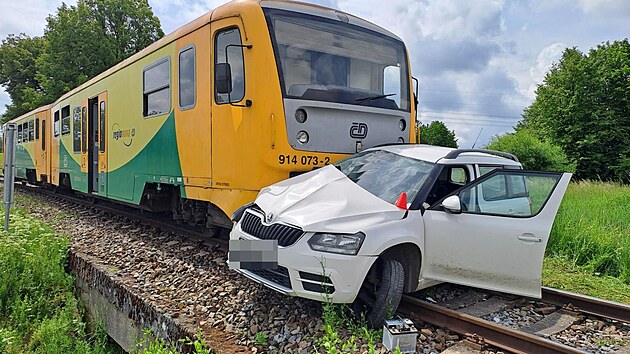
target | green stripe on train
x=158, y=162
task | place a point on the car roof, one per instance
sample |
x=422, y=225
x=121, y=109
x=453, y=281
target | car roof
x=446, y=156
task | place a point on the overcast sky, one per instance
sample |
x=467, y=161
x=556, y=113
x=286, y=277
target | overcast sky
x=478, y=61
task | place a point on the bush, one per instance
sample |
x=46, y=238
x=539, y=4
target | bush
x=38, y=311
x=534, y=154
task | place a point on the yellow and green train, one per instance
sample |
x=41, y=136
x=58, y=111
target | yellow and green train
x=246, y=95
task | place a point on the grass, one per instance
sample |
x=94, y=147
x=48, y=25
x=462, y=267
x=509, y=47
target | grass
x=560, y=273
x=38, y=310
x=592, y=229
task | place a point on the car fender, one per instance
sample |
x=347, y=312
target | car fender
x=380, y=238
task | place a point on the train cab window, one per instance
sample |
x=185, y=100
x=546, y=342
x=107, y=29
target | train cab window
x=156, y=84
x=235, y=59
x=187, y=84
x=76, y=130
x=84, y=129
x=31, y=130
x=101, y=135
x=19, y=134
x=56, y=123
x=65, y=120
x=25, y=132
x=36, y=128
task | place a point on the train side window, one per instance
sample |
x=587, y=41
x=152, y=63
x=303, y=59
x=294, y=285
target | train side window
x=56, y=123
x=19, y=134
x=156, y=86
x=187, y=82
x=31, y=130
x=101, y=135
x=76, y=130
x=43, y=135
x=36, y=128
x=237, y=68
x=65, y=120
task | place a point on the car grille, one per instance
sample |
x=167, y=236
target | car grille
x=285, y=234
x=279, y=276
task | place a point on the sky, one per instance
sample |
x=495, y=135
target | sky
x=479, y=62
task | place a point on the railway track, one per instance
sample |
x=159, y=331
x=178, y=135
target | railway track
x=564, y=309
x=131, y=213
x=478, y=331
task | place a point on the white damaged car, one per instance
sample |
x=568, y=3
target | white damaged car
x=396, y=219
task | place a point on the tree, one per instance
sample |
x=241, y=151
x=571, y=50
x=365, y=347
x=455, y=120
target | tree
x=532, y=152
x=79, y=43
x=84, y=40
x=583, y=105
x=18, y=54
x=438, y=134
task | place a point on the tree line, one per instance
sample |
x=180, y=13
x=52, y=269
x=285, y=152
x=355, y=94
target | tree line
x=79, y=42
x=579, y=120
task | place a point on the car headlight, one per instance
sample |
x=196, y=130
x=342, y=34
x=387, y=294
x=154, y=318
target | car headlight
x=337, y=243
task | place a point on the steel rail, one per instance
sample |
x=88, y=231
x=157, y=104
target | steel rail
x=587, y=304
x=492, y=333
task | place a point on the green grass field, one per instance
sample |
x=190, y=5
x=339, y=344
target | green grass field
x=592, y=229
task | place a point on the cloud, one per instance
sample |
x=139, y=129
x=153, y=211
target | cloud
x=606, y=8
x=27, y=16
x=547, y=56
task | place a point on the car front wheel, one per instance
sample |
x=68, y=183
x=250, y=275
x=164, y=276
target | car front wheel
x=380, y=294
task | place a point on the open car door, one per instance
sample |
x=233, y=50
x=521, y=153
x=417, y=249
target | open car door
x=493, y=232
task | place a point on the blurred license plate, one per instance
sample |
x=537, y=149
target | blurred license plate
x=253, y=254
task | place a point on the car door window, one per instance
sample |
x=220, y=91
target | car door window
x=509, y=193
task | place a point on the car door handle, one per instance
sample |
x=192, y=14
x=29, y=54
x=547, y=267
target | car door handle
x=529, y=238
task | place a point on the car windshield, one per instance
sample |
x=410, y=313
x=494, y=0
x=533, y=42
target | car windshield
x=328, y=60
x=386, y=174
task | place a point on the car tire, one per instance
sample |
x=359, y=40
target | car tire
x=382, y=299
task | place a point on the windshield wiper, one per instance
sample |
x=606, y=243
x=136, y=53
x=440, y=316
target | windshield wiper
x=374, y=97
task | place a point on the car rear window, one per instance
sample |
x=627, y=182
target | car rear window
x=386, y=174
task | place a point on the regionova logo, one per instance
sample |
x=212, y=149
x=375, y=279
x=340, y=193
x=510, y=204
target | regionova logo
x=124, y=135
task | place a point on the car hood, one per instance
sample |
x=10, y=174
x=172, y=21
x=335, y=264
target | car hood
x=325, y=200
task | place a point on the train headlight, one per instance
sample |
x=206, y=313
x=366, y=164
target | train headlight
x=300, y=115
x=402, y=125
x=302, y=137
x=401, y=140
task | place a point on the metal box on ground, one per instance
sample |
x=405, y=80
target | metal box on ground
x=400, y=333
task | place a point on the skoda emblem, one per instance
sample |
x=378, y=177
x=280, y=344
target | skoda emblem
x=269, y=217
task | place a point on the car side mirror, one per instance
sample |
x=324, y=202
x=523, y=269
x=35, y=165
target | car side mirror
x=452, y=204
x=223, y=77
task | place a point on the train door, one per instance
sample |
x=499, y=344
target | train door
x=92, y=148
x=39, y=149
x=97, y=144
x=102, y=144
x=230, y=126
x=84, y=136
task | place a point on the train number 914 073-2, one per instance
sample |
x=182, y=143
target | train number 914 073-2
x=306, y=160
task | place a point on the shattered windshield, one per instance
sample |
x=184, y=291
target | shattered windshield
x=386, y=174
x=327, y=60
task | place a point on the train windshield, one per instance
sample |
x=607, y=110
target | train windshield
x=330, y=60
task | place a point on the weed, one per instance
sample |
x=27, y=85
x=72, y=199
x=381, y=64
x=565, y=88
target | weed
x=261, y=338
x=38, y=311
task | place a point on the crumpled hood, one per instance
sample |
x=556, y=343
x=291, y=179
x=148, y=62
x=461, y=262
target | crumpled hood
x=325, y=200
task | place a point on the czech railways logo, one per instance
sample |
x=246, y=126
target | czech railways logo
x=124, y=135
x=358, y=130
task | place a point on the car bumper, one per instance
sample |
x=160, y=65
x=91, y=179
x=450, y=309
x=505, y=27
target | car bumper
x=311, y=274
